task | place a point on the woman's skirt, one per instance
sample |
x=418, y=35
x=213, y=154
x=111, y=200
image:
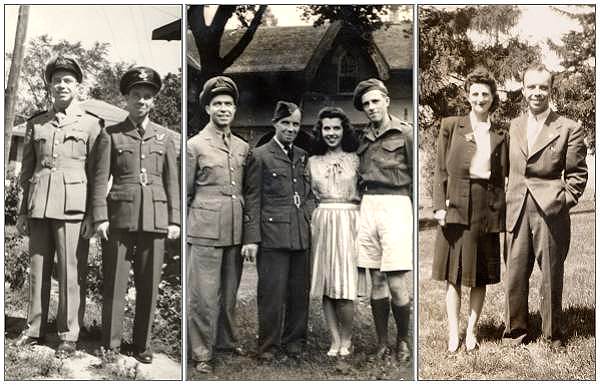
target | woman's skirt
x=467, y=255
x=334, y=253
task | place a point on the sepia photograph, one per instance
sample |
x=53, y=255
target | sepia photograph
x=299, y=181
x=506, y=127
x=92, y=213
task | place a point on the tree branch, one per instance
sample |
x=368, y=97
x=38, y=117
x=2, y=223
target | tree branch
x=245, y=40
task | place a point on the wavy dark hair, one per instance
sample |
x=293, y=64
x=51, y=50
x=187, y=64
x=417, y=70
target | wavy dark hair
x=481, y=75
x=349, y=139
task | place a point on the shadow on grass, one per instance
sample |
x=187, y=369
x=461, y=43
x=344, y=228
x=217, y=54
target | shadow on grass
x=577, y=321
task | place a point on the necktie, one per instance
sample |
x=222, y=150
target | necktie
x=141, y=129
x=290, y=153
x=226, y=140
x=60, y=116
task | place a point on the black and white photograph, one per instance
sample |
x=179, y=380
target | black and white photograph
x=507, y=192
x=299, y=183
x=92, y=141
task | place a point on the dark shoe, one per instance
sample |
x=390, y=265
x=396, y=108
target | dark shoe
x=382, y=352
x=293, y=350
x=237, y=351
x=266, y=356
x=514, y=339
x=25, y=340
x=66, y=349
x=402, y=352
x=205, y=367
x=145, y=356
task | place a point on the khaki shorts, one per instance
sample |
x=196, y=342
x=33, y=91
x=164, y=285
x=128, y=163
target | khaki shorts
x=385, y=234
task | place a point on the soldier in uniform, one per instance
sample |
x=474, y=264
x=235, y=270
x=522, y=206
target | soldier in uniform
x=385, y=235
x=278, y=208
x=215, y=172
x=55, y=208
x=142, y=208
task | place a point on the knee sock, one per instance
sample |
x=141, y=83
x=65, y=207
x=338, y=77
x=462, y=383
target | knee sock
x=402, y=318
x=381, y=310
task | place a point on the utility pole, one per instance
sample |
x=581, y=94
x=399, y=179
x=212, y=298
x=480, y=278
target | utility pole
x=10, y=93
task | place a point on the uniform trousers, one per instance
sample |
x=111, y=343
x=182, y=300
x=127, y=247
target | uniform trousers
x=49, y=236
x=545, y=240
x=213, y=280
x=283, y=297
x=145, y=250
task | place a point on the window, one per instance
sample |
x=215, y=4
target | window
x=347, y=74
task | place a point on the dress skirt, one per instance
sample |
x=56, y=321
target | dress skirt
x=468, y=255
x=334, y=253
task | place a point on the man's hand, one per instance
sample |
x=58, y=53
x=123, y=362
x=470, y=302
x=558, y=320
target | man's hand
x=102, y=230
x=440, y=216
x=249, y=251
x=87, y=227
x=23, y=224
x=173, y=232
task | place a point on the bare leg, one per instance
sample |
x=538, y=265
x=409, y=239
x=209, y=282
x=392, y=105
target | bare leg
x=332, y=323
x=453, y=310
x=345, y=314
x=475, y=305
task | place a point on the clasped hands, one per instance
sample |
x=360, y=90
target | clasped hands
x=249, y=251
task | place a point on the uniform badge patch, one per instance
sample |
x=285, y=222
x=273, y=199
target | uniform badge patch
x=160, y=136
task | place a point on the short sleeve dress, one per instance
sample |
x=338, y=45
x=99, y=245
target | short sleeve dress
x=334, y=182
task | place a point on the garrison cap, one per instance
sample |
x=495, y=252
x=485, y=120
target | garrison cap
x=140, y=76
x=218, y=85
x=283, y=110
x=64, y=63
x=364, y=87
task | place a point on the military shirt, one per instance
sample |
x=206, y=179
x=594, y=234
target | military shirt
x=57, y=163
x=144, y=195
x=214, y=177
x=386, y=158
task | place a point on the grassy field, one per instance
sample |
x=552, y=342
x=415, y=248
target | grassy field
x=533, y=361
x=313, y=364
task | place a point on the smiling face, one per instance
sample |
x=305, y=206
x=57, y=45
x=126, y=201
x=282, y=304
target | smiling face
x=286, y=129
x=140, y=100
x=63, y=87
x=480, y=98
x=332, y=132
x=375, y=104
x=536, y=90
x=221, y=110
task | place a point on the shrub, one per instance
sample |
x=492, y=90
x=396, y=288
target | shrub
x=16, y=258
x=12, y=194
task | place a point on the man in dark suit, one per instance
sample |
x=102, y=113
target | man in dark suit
x=215, y=172
x=142, y=208
x=276, y=216
x=55, y=211
x=547, y=176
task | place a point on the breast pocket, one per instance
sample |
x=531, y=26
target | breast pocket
x=157, y=152
x=276, y=181
x=41, y=142
x=75, y=142
x=75, y=191
x=392, y=153
x=124, y=157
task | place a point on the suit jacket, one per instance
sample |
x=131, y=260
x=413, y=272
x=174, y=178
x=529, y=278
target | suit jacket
x=273, y=185
x=215, y=175
x=57, y=164
x=144, y=195
x=554, y=173
x=455, y=149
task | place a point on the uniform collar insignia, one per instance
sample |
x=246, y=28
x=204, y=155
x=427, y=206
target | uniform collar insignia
x=160, y=136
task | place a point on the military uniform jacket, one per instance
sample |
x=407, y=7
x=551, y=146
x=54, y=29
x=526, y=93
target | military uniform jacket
x=279, y=201
x=145, y=189
x=57, y=164
x=554, y=173
x=214, y=177
x=386, y=159
x=455, y=149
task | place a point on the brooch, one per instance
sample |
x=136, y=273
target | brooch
x=470, y=137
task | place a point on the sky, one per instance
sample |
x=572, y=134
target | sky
x=128, y=29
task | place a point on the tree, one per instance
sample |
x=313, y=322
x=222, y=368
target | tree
x=167, y=106
x=575, y=88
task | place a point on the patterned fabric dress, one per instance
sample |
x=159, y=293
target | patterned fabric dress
x=334, y=181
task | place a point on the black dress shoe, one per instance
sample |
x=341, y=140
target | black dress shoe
x=205, y=367
x=25, y=340
x=145, y=357
x=237, y=351
x=293, y=350
x=66, y=349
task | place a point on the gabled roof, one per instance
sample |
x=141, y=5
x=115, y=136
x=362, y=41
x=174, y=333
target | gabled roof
x=280, y=49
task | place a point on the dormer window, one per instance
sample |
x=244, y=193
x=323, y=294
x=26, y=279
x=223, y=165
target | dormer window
x=347, y=74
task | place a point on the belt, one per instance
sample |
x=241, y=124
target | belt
x=62, y=163
x=374, y=188
x=142, y=178
x=339, y=205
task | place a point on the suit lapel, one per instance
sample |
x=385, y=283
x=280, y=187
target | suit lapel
x=278, y=151
x=518, y=134
x=130, y=130
x=465, y=131
x=547, y=134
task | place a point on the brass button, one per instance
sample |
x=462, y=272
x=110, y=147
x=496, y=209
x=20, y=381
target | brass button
x=233, y=182
x=233, y=196
x=56, y=142
x=143, y=156
x=270, y=219
x=54, y=155
x=53, y=169
x=143, y=170
x=294, y=180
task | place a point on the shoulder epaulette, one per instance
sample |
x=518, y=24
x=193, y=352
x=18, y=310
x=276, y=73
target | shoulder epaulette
x=239, y=137
x=35, y=115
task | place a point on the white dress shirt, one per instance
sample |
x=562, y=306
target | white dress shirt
x=480, y=163
x=534, y=126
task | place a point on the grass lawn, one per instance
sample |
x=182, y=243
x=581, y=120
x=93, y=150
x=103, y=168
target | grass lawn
x=533, y=361
x=313, y=364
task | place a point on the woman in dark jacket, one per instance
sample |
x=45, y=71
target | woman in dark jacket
x=469, y=204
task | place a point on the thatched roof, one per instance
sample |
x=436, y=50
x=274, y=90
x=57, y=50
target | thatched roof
x=281, y=49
